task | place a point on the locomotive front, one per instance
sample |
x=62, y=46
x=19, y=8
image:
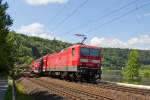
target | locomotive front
x=90, y=62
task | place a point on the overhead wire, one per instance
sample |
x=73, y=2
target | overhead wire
x=71, y=14
x=59, y=12
x=103, y=16
x=119, y=17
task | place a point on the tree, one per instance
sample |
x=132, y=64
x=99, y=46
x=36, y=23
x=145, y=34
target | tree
x=5, y=39
x=131, y=72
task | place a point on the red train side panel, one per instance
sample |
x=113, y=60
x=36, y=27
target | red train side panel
x=70, y=59
x=79, y=59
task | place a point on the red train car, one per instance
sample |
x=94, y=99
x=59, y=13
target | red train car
x=78, y=62
x=39, y=65
x=36, y=66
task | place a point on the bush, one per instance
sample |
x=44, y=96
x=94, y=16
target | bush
x=146, y=74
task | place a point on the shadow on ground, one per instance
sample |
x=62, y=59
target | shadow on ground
x=46, y=96
x=42, y=95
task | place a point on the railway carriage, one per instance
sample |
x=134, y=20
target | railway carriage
x=39, y=66
x=78, y=62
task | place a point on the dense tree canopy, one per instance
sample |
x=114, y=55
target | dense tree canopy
x=24, y=46
x=6, y=39
x=113, y=57
x=117, y=58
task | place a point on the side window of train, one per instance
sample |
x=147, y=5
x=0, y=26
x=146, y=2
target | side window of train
x=73, y=51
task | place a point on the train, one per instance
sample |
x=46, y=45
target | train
x=77, y=62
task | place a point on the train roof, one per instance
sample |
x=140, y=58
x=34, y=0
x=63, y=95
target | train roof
x=79, y=45
x=85, y=46
x=75, y=45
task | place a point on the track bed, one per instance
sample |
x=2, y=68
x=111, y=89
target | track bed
x=85, y=91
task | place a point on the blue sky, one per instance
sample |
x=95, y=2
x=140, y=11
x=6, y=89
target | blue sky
x=43, y=18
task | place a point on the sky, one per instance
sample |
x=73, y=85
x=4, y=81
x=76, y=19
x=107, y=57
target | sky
x=106, y=23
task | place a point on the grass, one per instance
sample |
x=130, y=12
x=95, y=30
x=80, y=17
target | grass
x=8, y=95
x=21, y=93
x=145, y=73
x=112, y=72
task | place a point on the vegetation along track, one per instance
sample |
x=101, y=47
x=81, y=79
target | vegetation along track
x=69, y=92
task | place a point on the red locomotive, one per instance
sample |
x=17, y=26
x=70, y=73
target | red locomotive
x=78, y=62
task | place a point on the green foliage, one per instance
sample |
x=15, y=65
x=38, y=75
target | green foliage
x=35, y=53
x=21, y=94
x=116, y=58
x=145, y=71
x=24, y=53
x=131, y=72
x=44, y=51
x=8, y=95
x=6, y=40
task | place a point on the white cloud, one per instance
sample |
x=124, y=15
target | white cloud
x=44, y=2
x=32, y=28
x=36, y=29
x=140, y=42
x=110, y=42
x=143, y=39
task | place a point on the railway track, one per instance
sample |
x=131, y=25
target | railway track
x=125, y=89
x=87, y=91
x=116, y=87
x=122, y=91
x=69, y=92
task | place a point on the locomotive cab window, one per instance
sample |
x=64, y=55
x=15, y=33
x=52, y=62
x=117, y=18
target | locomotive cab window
x=90, y=52
x=94, y=52
x=73, y=51
x=84, y=51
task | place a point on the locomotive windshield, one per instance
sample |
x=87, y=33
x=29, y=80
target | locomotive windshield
x=94, y=52
x=84, y=51
x=89, y=52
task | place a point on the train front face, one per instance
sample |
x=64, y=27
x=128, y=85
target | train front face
x=90, y=62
